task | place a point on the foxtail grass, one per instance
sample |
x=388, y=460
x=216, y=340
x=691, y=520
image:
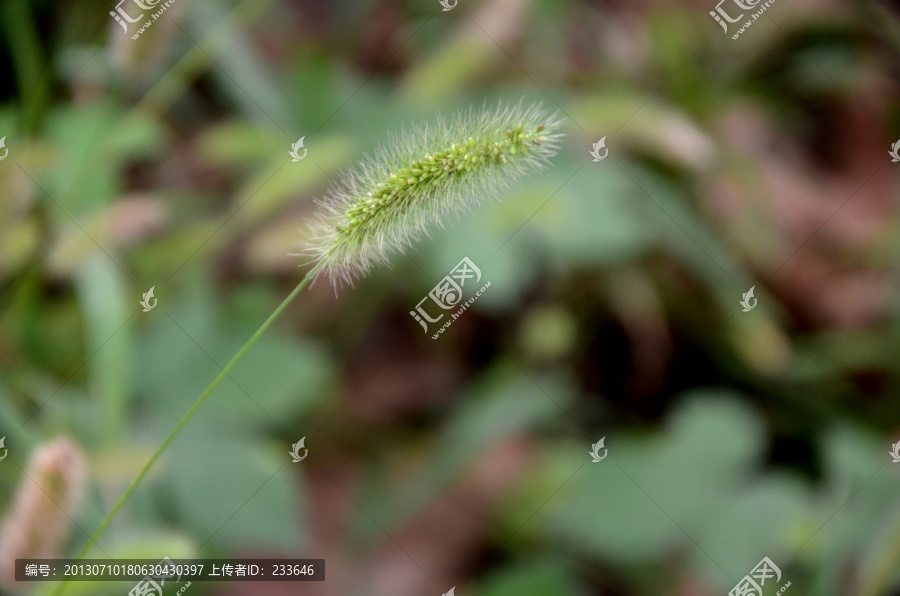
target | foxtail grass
x=393, y=198
x=415, y=181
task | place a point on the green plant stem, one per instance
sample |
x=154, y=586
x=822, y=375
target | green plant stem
x=193, y=409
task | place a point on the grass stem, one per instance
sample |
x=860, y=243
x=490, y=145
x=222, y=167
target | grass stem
x=187, y=416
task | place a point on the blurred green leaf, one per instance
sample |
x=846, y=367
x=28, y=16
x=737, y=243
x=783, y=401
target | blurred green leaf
x=281, y=377
x=532, y=578
x=654, y=491
x=232, y=492
x=93, y=142
x=107, y=312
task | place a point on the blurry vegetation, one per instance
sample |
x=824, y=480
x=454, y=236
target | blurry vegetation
x=613, y=307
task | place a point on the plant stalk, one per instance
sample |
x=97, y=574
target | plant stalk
x=181, y=423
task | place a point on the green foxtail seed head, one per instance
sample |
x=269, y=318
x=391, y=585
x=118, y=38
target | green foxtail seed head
x=419, y=178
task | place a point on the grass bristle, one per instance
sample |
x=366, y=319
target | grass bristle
x=412, y=183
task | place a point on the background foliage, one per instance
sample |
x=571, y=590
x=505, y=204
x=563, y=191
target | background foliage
x=613, y=308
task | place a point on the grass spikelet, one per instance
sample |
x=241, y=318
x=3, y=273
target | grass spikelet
x=39, y=522
x=419, y=178
x=388, y=202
